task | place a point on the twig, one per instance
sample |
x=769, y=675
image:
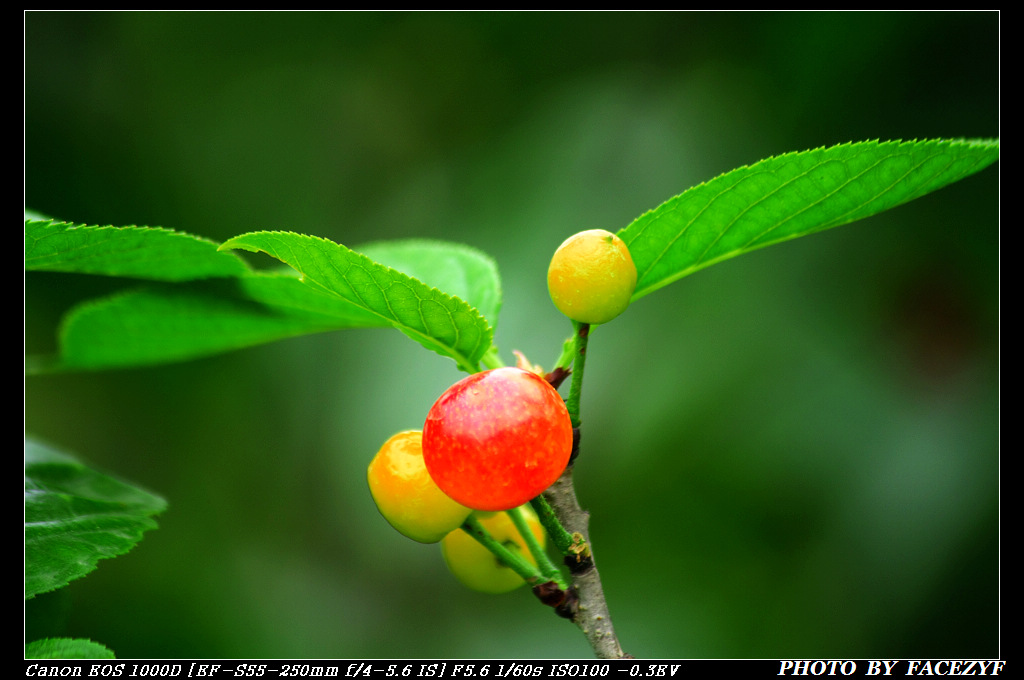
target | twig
x=591, y=615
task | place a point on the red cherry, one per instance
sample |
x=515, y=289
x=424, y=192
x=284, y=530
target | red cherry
x=497, y=439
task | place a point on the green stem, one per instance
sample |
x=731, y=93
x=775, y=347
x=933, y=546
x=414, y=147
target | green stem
x=568, y=352
x=547, y=568
x=573, y=402
x=491, y=358
x=515, y=562
x=561, y=538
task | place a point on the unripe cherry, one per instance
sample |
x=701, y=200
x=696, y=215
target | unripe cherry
x=480, y=569
x=592, y=277
x=405, y=493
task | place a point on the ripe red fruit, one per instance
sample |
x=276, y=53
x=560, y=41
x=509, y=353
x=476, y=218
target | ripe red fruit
x=497, y=439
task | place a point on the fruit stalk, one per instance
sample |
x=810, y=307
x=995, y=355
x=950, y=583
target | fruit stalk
x=527, y=571
x=576, y=386
x=559, y=536
x=549, y=570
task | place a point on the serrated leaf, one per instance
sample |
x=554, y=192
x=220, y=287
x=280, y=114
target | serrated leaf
x=75, y=516
x=438, y=321
x=140, y=252
x=67, y=648
x=789, y=196
x=455, y=268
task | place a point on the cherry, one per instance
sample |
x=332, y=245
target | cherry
x=497, y=439
x=480, y=569
x=405, y=493
x=591, y=277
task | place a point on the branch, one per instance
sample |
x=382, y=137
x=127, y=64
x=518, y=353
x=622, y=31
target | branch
x=591, y=613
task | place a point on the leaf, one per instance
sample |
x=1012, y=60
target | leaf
x=438, y=321
x=456, y=269
x=789, y=196
x=67, y=648
x=175, y=323
x=75, y=516
x=288, y=294
x=139, y=252
x=162, y=324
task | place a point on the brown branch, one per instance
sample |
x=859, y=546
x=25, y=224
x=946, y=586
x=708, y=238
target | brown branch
x=590, y=611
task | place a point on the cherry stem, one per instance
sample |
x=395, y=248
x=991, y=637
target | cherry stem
x=561, y=538
x=547, y=568
x=568, y=352
x=576, y=388
x=491, y=358
x=513, y=561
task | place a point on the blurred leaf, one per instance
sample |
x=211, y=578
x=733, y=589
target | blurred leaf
x=33, y=215
x=75, y=516
x=158, y=325
x=456, y=269
x=176, y=323
x=139, y=252
x=67, y=648
x=438, y=321
x=788, y=196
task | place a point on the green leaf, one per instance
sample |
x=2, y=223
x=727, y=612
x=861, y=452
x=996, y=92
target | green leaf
x=243, y=308
x=139, y=252
x=158, y=325
x=67, y=648
x=456, y=269
x=438, y=321
x=75, y=516
x=788, y=196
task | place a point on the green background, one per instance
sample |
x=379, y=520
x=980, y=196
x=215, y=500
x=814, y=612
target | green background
x=791, y=454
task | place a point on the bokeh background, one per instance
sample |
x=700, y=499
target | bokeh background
x=790, y=454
